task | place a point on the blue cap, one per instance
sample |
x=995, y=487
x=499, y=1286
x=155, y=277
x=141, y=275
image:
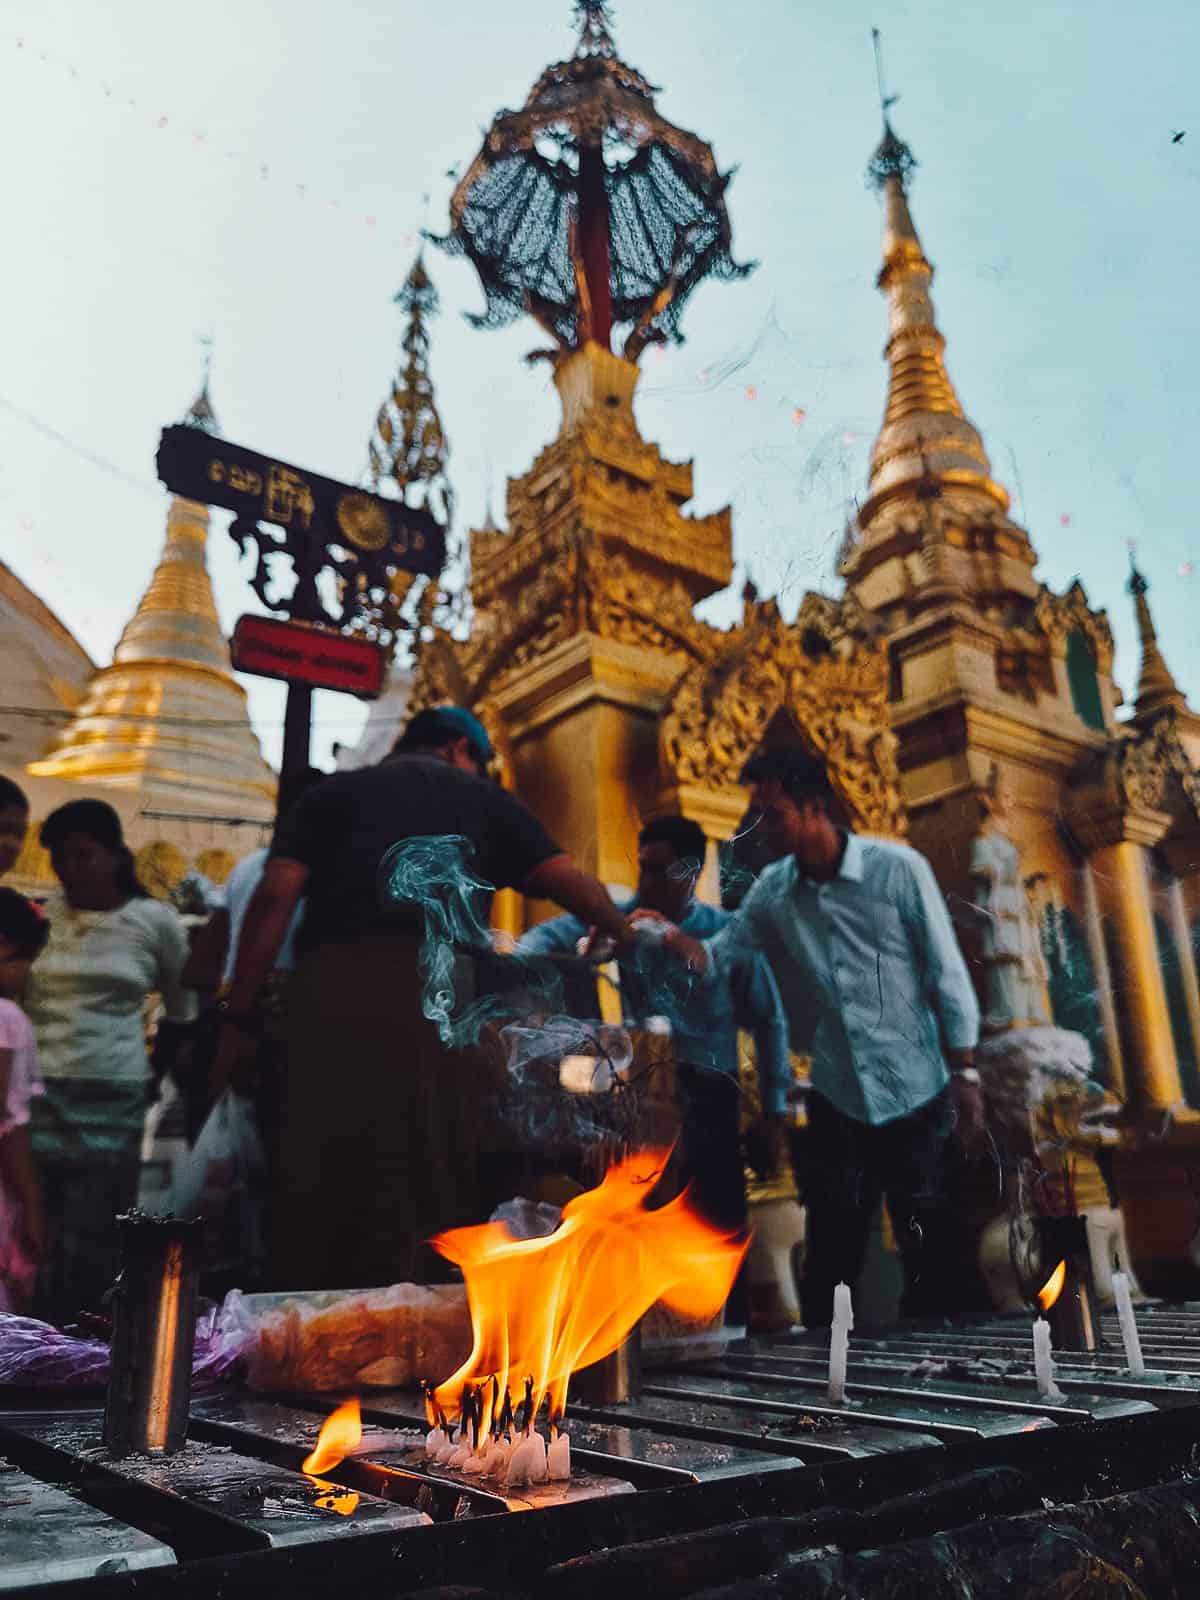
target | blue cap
x=469, y=726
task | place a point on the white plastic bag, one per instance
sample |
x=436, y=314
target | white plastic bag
x=221, y=1179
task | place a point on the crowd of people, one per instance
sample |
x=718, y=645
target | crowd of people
x=306, y=990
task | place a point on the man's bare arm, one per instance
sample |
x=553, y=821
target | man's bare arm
x=268, y=917
x=560, y=880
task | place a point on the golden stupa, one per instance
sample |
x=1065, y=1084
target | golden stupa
x=168, y=717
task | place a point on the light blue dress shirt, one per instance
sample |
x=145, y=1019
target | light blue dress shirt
x=704, y=1016
x=868, y=966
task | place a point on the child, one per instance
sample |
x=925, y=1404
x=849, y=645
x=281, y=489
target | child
x=23, y=933
x=14, y=823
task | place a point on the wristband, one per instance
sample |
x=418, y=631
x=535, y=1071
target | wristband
x=967, y=1075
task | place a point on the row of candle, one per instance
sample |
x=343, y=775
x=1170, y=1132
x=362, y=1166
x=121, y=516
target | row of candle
x=507, y=1449
x=1043, y=1360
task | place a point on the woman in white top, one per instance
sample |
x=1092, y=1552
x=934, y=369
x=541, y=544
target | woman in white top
x=110, y=947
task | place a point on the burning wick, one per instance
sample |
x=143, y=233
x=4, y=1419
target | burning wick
x=1130, y=1337
x=1043, y=1360
x=528, y=1462
x=341, y=1433
x=839, y=1343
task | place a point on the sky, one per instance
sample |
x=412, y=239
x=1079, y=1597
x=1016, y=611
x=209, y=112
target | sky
x=257, y=172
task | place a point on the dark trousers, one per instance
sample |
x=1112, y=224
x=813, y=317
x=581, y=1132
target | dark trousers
x=712, y=1163
x=846, y=1166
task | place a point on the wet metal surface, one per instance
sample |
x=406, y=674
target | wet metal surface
x=972, y=1392
x=265, y=1505
x=47, y=1536
x=641, y=1455
x=945, y=1421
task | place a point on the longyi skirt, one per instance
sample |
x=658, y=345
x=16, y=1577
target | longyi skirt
x=379, y=1124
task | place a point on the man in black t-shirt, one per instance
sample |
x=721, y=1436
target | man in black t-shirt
x=378, y=1131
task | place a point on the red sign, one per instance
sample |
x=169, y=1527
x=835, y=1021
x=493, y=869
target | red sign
x=269, y=648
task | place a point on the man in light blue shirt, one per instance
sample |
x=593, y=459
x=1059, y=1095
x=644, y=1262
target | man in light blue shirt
x=876, y=991
x=704, y=1016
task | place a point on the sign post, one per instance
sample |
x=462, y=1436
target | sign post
x=344, y=545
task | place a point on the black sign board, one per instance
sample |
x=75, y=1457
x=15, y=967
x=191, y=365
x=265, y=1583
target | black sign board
x=361, y=538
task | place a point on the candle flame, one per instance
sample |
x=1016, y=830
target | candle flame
x=341, y=1432
x=543, y=1308
x=1053, y=1286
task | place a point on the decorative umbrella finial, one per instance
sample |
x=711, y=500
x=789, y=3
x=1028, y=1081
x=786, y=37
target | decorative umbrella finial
x=595, y=29
x=587, y=210
x=892, y=158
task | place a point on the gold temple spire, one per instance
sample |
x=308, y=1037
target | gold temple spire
x=1157, y=689
x=407, y=457
x=925, y=436
x=168, y=713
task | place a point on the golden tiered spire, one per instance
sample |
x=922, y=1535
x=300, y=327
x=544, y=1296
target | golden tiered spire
x=925, y=435
x=1157, y=689
x=408, y=451
x=168, y=713
x=934, y=529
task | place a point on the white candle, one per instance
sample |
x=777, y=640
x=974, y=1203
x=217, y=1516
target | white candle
x=1130, y=1337
x=558, y=1458
x=1043, y=1361
x=839, y=1342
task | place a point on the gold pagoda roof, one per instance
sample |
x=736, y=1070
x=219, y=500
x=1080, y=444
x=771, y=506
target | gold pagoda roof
x=168, y=714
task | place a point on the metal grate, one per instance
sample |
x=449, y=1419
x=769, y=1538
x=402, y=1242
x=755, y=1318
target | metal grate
x=700, y=1447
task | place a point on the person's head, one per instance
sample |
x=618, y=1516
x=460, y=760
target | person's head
x=89, y=854
x=452, y=734
x=670, y=859
x=998, y=797
x=23, y=934
x=14, y=823
x=791, y=794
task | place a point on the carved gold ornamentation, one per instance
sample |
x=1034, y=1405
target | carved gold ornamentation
x=838, y=704
x=1058, y=616
x=1145, y=765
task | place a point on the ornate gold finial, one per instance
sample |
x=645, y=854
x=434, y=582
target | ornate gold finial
x=1157, y=689
x=408, y=452
x=925, y=442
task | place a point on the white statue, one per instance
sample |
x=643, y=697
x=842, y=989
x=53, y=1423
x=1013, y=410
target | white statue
x=1012, y=947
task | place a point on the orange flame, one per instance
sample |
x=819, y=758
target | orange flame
x=550, y=1306
x=341, y=1432
x=1053, y=1286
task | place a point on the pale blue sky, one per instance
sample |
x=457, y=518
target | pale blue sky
x=255, y=171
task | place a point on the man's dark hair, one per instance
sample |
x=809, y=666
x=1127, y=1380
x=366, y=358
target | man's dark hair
x=801, y=776
x=12, y=797
x=22, y=923
x=685, y=837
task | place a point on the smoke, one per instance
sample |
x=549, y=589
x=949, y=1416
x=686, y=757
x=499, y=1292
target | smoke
x=433, y=874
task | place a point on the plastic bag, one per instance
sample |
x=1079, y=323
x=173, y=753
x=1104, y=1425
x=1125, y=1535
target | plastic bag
x=372, y=1338
x=221, y=1179
x=35, y=1355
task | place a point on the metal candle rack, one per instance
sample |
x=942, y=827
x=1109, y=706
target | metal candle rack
x=696, y=1447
